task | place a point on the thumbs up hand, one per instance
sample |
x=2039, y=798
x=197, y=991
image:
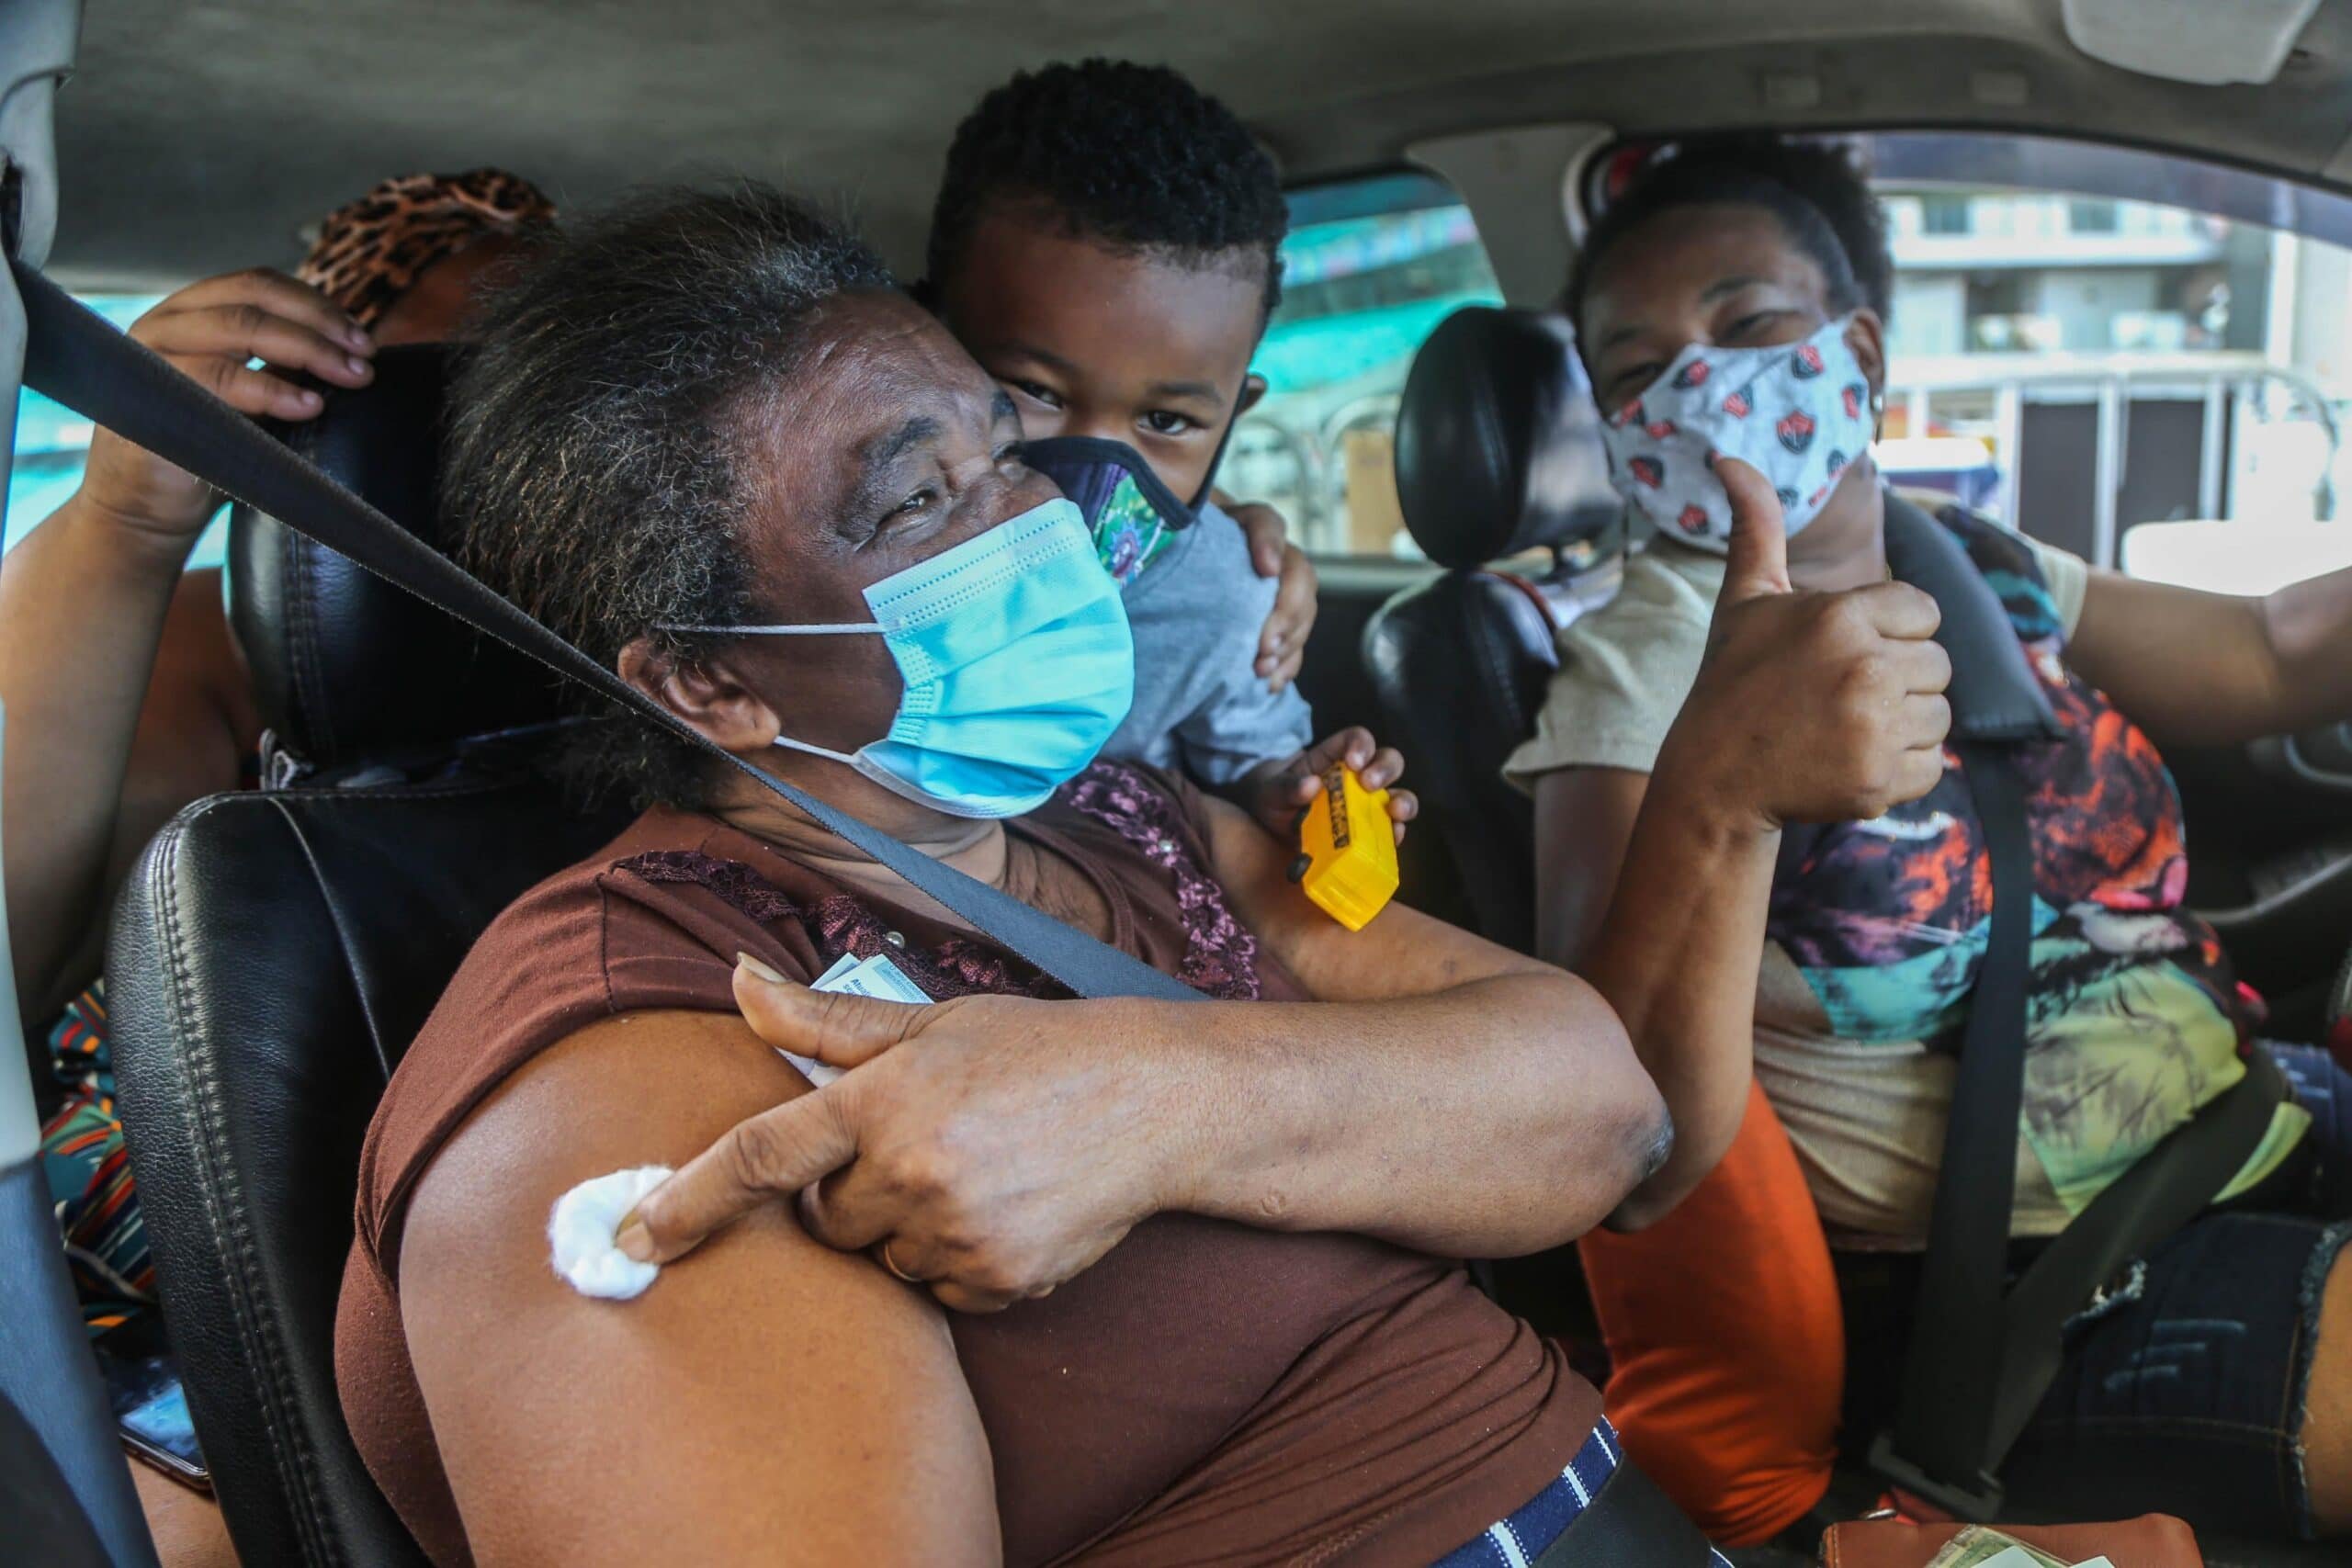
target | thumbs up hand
x=1809, y=706
x=1758, y=558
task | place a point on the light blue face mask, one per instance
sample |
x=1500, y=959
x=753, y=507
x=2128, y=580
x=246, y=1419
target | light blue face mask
x=1018, y=665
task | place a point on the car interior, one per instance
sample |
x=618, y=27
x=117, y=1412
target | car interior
x=277, y=949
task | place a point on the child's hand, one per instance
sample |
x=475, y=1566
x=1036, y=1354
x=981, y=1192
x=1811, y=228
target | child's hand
x=1282, y=647
x=1279, y=790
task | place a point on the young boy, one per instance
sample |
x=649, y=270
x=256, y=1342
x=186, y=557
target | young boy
x=1104, y=243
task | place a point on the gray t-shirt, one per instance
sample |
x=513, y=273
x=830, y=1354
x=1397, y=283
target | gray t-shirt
x=1201, y=708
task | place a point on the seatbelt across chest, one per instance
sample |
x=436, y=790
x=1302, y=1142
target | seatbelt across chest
x=1957, y=1352
x=84, y=362
x=1981, y=1356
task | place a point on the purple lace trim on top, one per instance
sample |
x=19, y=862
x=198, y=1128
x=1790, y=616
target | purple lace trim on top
x=738, y=886
x=1220, y=953
x=957, y=966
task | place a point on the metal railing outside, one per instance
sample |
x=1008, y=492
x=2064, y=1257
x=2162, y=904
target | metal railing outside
x=2231, y=386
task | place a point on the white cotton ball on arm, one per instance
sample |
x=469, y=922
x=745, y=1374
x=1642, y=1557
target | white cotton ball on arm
x=581, y=1228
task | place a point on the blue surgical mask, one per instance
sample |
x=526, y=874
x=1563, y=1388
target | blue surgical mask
x=1132, y=515
x=1018, y=665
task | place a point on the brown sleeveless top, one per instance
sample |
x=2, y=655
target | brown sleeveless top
x=1206, y=1391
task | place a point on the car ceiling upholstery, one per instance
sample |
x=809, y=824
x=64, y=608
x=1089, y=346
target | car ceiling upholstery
x=204, y=134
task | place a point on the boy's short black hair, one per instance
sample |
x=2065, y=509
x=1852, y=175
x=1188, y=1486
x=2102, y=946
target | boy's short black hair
x=1134, y=156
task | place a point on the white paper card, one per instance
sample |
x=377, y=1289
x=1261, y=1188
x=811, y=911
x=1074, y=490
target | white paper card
x=877, y=976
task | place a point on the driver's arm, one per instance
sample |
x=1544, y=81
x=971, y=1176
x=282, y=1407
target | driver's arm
x=768, y=1401
x=2195, y=669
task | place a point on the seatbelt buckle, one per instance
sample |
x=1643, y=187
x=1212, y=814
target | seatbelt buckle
x=1977, y=1503
x=281, y=769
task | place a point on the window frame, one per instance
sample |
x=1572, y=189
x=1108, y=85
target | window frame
x=1379, y=191
x=2051, y=161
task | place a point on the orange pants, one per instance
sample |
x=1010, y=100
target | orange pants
x=1727, y=1341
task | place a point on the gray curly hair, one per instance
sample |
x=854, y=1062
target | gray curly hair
x=598, y=467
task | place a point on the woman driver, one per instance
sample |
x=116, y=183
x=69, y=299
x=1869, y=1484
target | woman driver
x=713, y=411
x=1716, y=303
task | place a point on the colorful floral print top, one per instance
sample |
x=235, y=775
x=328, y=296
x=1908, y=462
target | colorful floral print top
x=2134, y=1019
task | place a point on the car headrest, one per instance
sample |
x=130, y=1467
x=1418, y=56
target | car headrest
x=1498, y=441
x=345, y=667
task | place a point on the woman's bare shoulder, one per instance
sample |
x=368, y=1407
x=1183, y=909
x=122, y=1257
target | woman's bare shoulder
x=635, y=1089
x=767, y=1371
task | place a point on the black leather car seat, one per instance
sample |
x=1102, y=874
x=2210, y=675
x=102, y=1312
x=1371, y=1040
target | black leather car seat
x=334, y=651
x=1498, y=455
x=276, y=951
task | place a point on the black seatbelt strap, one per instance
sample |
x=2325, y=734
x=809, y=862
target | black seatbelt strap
x=1980, y=1359
x=78, y=358
x=2167, y=1188
x=1943, y=1426
x=1628, y=1524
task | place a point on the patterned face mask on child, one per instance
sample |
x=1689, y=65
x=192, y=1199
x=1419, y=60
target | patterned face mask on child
x=1133, y=516
x=1798, y=412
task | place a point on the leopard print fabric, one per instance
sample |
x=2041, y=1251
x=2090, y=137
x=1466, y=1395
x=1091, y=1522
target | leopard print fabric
x=369, y=250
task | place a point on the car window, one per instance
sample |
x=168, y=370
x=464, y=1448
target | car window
x=2140, y=357
x=52, y=442
x=1370, y=268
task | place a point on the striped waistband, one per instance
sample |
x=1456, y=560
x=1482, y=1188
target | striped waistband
x=1518, y=1540
x=1514, y=1542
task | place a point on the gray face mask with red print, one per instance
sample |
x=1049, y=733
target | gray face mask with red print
x=1797, y=412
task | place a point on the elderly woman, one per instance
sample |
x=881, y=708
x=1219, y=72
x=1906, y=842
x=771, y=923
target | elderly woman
x=711, y=418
